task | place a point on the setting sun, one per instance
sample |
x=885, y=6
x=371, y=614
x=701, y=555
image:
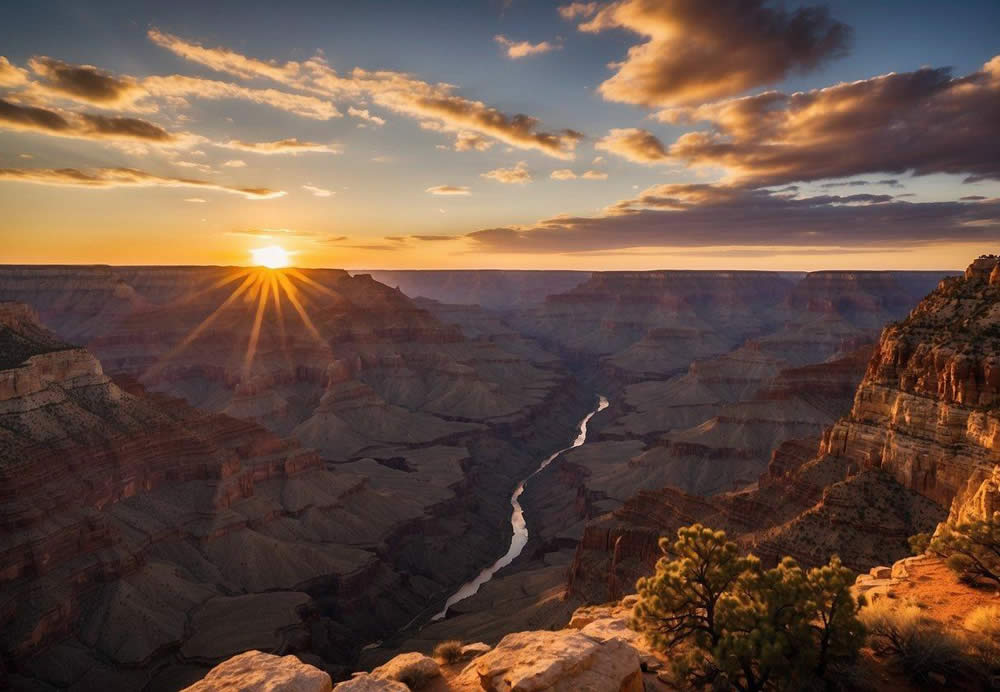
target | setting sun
x=272, y=257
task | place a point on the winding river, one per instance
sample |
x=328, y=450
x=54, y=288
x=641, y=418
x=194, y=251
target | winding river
x=520, y=537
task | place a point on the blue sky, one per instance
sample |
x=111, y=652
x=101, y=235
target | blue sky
x=378, y=184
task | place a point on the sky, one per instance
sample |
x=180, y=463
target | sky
x=633, y=134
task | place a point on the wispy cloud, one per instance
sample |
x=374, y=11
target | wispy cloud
x=290, y=145
x=317, y=191
x=446, y=190
x=106, y=178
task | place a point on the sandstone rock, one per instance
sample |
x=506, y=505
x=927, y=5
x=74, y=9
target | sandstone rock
x=881, y=572
x=475, y=649
x=413, y=668
x=367, y=683
x=255, y=671
x=563, y=661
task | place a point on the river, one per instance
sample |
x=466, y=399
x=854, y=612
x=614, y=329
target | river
x=517, y=523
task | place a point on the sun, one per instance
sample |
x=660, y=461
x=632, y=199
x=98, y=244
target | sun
x=272, y=257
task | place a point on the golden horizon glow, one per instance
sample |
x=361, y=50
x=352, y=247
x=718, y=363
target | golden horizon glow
x=272, y=257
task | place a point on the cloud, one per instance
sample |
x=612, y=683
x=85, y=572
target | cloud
x=704, y=215
x=448, y=190
x=891, y=182
x=83, y=125
x=11, y=75
x=578, y=9
x=921, y=122
x=396, y=91
x=105, y=178
x=563, y=174
x=235, y=163
x=281, y=146
x=85, y=83
x=196, y=200
x=518, y=175
x=364, y=114
x=697, y=51
x=272, y=233
x=434, y=238
x=223, y=60
x=595, y=175
x=183, y=87
x=469, y=141
x=522, y=49
x=317, y=191
x=640, y=146
x=972, y=198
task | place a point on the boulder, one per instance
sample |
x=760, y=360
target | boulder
x=881, y=572
x=563, y=661
x=366, y=683
x=255, y=671
x=475, y=649
x=413, y=668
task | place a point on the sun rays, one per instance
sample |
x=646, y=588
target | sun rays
x=265, y=291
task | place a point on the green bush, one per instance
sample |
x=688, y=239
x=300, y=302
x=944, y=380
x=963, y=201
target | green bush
x=972, y=549
x=728, y=622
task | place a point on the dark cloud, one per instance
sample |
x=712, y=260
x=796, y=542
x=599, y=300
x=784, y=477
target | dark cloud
x=921, y=122
x=694, y=215
x=972, y=198
x=32, y=118
x=104, y=178
x=433, y=238
x=698, y=50
x=891, y=182
x=81, y=125
x=86, y=82
x=125, y=127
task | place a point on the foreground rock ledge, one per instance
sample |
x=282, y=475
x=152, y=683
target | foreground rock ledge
x=255, y=671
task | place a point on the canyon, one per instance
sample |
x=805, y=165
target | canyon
x=310, y=462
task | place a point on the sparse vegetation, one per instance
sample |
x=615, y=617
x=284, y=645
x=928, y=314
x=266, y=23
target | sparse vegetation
x=730, y=623
x=971, y=548
x=983, y=626
x=448, y=651
x=917, y=643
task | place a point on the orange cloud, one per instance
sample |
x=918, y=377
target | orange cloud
x=45, y=121
x=697, y=51
x=640, y=146
x=518, y=175
x=85, y=83
x=11, y=75
x=522, y=49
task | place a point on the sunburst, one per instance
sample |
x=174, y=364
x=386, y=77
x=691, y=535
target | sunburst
x=268, y=285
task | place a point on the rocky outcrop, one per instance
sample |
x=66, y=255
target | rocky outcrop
x=254, y=671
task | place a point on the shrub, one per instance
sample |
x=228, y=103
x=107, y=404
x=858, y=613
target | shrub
x=983, y=625
x=728, y=622
x=917, y=643
x=919, y=543
x=448, y=651
x=972, y=549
